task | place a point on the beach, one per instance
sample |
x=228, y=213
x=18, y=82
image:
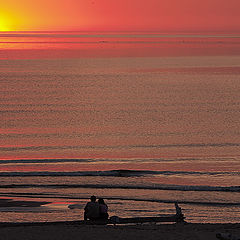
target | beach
x=134, y=105
x=120, y=120
x=78, y=229
x=71, y=230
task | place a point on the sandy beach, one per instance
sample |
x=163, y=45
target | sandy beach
x=72, y=230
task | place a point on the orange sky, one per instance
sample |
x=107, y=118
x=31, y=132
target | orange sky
x=117, y=15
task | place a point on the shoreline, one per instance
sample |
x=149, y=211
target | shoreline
x=72, y=230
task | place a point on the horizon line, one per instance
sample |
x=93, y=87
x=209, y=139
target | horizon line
x=129, y=31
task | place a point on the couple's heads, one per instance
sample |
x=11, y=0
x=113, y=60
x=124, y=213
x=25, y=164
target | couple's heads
x=100, y=200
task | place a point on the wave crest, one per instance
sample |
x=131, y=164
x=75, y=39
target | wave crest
x=112, y=173
x=118, y=186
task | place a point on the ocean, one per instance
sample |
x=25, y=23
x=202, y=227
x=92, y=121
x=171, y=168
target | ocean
x=143, y=120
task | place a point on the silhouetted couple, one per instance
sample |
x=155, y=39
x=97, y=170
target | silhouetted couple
x=95, y=210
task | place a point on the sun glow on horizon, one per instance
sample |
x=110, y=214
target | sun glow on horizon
x=4, y=26
x=8, y=22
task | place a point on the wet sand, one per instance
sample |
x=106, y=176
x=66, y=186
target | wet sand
x=13, y=203
x=72, y=230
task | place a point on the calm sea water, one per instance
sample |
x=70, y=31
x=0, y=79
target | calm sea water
x=142, y=120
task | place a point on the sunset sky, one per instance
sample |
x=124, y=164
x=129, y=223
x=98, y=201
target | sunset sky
x=113, y=15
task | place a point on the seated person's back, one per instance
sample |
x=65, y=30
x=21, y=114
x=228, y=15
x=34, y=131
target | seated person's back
x=91, y=210
x=103, y=209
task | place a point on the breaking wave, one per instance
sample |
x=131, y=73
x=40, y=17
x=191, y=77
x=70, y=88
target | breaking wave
x=80, y=205
x=112, y=173
x=119, y=186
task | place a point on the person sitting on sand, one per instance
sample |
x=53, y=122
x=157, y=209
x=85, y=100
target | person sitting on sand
x=103, y=209
x=91, y=210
